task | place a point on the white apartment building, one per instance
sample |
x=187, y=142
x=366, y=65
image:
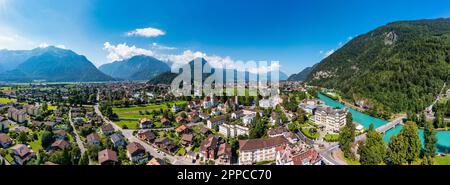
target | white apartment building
x=233, y=130
x=331, y=119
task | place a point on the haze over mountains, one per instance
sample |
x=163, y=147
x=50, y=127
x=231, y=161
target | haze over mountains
x=167, y=77
x=53, y=64
x=139, y=67
x=49, y=64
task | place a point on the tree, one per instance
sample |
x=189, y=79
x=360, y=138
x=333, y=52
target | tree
x=430, y=140
x=397, y=150
x=347, y=137
x=47, y=139
x=22, y=138
x=373, y=151
x=411, y=138
x=75, y=155
x=84, y=160
x=44, y=107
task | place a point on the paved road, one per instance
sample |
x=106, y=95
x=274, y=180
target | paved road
x=175, y=160
x=328, y=157
x=77, y=137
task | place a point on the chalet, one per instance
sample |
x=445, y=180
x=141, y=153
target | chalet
x=215, y=112
x=165, y=143
x=248, y=119
x=145, y=123
x=93, y=139
x=21, y=154
x=279, y=131
x=50, y=124
x=165, y=121
x=293, y=156
x=205, y=131
x=78, y=120
x=192, y=155
x=183, y=129
x=59, y=134
x=237, y=114
x=118, y=140
x=147, y=135
x=107, y=129
x=107, y=157
x=275, y=118
x=224, y=154
x=208, y=148
x=5, y=140
x=187, y=139
x=181, y=120
x=291, y=137
x=136, y=152
x=175, y=108
x=215, y=121
x=204, y=116
x=21, y=129
x=193, y=117
x=60, y=144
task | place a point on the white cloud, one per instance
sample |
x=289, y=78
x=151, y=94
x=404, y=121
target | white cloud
x=61, y=46
x=349, y=38
x=214, y=61
x=146, y=32
x=328, y=53
x=43, y=45
x=157, y=46
x=123, y=51
x=9, y=39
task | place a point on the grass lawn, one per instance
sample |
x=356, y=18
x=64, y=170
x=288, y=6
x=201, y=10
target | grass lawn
x=9, y=158
x=6, y=100
x=131, y=124
x=351, y=161
x=307, y=133
x=331, y=137
x=51, y=107
x=36, y=144
x=442, y=160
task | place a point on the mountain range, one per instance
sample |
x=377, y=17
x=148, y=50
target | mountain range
x=168, y=77
x=397, y=67
x=139, y=67
x=49, y=64
x=303, y=75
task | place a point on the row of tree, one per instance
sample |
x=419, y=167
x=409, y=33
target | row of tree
x=403, y=148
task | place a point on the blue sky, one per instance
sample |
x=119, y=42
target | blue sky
x=297, y=33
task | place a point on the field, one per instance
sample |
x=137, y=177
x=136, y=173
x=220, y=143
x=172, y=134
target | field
x=442, y=160
x=129, y=116
x=6, y=100
x=133, y=112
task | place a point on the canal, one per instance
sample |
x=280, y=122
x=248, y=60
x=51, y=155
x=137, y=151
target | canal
x=443, y=137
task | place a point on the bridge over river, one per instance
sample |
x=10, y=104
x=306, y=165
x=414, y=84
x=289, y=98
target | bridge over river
x=383, y=128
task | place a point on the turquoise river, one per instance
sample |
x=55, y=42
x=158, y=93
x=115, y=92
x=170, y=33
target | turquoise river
x=365, y=120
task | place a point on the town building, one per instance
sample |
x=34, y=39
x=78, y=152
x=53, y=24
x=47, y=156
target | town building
x=233, y=130
x=332, y=120
x=256, y=150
